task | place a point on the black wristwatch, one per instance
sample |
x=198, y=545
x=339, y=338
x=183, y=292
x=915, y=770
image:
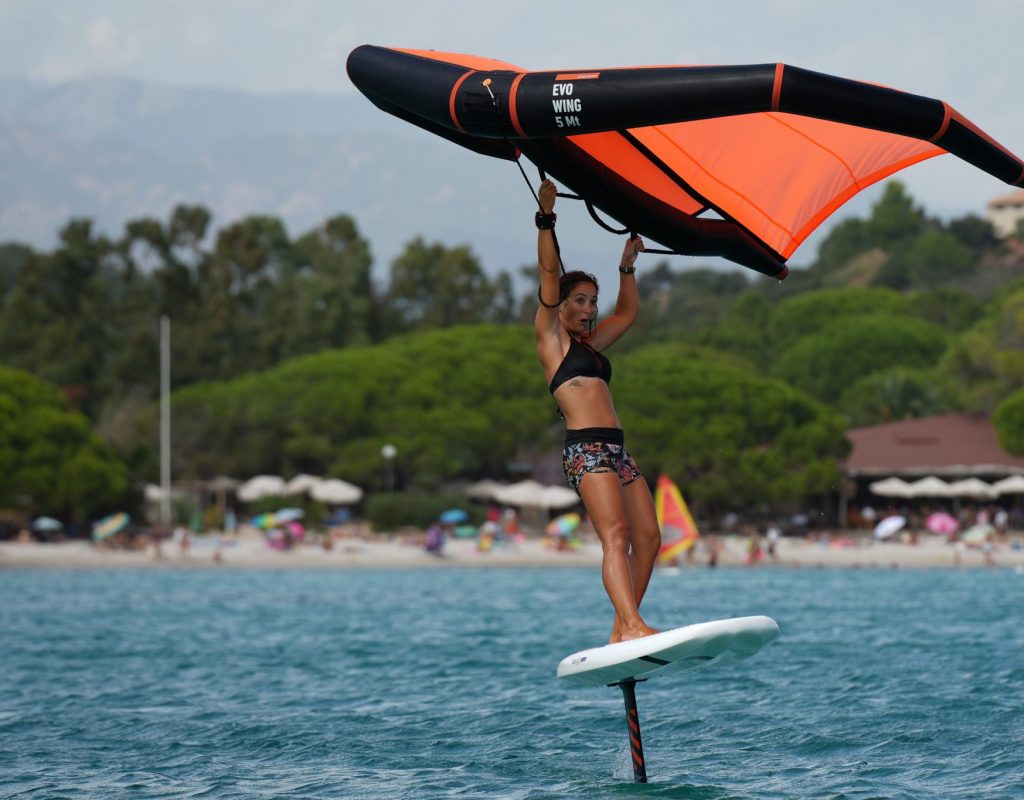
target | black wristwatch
x=627, y=270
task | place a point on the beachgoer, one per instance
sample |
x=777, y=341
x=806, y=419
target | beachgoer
x=773, y=535
x=754, y=551
x=596, y=462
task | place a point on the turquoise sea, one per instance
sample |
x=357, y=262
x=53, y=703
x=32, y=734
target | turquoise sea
x=440, y=683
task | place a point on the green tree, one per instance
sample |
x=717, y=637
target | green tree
x=13, y=257
x=327, y=299
x=894, y=394
x=452, y=407
x=986, y=362
x=932, y=257
x=809, y=313
x=50, y=460
x=845, y=241
x=743, y=330
x=728, y=436
x=951, y=308
x=840, y=354
x=974, y=232
x=894, y=218
x=1008, y=421
x=434, y=286
x=55, y=322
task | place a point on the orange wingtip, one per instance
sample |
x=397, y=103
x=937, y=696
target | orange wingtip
x=577, y=76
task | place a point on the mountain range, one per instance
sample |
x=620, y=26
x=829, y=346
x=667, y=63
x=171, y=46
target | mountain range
x=114, y=149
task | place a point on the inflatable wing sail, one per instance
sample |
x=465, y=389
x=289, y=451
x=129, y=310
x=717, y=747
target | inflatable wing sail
x=742, y=162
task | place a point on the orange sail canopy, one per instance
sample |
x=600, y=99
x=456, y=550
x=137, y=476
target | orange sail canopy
x=678, y=530
x=742, y=162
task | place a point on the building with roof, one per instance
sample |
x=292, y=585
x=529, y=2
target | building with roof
x=1005, y=213
x=951, y=446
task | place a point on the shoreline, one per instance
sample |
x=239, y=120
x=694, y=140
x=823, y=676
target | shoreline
x=386, y=552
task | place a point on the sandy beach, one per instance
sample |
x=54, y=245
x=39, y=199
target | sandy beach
x=384, y=551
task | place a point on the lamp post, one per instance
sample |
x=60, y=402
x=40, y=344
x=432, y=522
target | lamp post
x=165, y=420
x=389, y=451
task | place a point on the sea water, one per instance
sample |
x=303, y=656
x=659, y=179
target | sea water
x=440, y=683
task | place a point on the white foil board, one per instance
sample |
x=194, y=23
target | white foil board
x=720, y=641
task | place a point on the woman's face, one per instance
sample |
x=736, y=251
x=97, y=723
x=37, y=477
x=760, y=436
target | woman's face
x=579, y=309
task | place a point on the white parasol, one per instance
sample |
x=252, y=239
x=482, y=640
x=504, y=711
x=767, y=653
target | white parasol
x=336, y=492
x=261, y=486
x=890, y=525
x=890, y=487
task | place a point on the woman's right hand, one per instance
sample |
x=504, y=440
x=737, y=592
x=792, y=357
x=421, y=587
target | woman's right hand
x=548, y=193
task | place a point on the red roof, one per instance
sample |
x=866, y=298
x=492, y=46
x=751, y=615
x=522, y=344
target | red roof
x=951, y=444
x=1016, y=200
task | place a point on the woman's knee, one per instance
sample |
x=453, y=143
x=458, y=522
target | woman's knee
x=647, y=538
x=615, y=536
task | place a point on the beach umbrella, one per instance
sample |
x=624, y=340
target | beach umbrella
x=336, y=492
x=108, y=526
x=522, y=494
x=261, y=486
x=972, y=487
x=890, y=487
x=47, y=524
x=483, y=490
x=563, y=525
x=289, y=514
x=942, y=524
x=929, y=487
x=530, y=494
x=555, y=497
x=453, y=516
x=301, y=484
x=978, y=533
x=890, y=525
x=1012, y=485
x=265, y=521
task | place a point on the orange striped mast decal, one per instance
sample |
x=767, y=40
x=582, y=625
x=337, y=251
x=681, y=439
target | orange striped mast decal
x=777, y=86
x=945, y=123
x=512, y=110
x=451, y=99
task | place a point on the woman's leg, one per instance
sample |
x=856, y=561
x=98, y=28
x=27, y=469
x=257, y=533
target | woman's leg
x=645, y=535
x=605, y=501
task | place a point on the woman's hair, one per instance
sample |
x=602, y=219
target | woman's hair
x=570, y=280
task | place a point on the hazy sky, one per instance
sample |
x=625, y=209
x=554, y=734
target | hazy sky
x=968, y=53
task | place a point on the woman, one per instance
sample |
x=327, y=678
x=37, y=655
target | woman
x=596, y=462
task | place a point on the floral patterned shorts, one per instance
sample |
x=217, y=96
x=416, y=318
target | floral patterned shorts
x=597, y=450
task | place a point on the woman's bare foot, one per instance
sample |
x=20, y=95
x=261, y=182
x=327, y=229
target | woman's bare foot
x=623, y=633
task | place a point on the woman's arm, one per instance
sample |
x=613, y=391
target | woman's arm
x=627, y=304
x=546, y=321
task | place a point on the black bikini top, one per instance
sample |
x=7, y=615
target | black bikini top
x=581, y=360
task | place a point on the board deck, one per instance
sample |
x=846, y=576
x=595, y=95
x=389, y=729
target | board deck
x=689, y=647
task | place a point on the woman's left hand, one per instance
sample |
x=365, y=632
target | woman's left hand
x=633, y=248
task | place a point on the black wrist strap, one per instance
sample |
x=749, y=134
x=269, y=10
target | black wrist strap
x=545, y=222
x=627, y=270
x=546, y=305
